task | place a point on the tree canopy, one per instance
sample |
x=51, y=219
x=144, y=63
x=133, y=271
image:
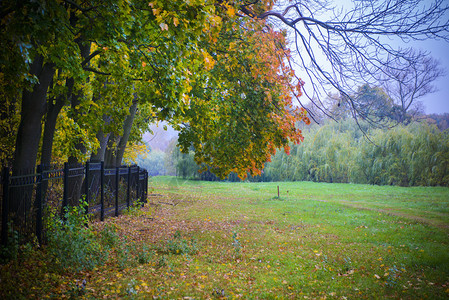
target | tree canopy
x=97, y=72
x=87, y=77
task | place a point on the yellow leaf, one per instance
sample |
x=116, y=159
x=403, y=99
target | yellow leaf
x=175, y=22
x=163, y=26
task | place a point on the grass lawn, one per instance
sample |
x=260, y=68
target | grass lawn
x=240, y=240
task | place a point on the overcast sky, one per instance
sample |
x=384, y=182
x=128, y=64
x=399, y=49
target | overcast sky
x=438, y=102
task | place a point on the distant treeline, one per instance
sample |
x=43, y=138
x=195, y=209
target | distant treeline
x=416, y=154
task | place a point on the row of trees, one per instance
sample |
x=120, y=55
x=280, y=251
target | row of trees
x=406, y=155
x=82, y=79
x=95, y=73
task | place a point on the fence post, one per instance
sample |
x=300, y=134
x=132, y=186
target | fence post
x=66, y=187
x=38, y=202
x=146, y=186
x=117, y=169
x=5, y=206
x=128, y=188
x=142, y=187
x=102, y=192
x=86, y=186
x=138, y=196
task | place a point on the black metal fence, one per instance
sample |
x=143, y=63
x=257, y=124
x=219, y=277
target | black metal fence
x=26, y=197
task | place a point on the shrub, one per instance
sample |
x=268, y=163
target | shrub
x=71, y=243
x=11, y=251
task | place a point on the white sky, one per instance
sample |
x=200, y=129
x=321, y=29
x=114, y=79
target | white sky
x=437, y=102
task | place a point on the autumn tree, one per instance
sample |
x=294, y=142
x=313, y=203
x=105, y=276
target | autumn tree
x=341, y=46
x=241, y=111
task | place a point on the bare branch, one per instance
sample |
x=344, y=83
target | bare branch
x=342, y=48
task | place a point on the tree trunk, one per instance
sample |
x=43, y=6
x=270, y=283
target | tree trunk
x=47, y=139
x=29, y=131
x=100, y=154
x=116, y=146
x=76, y=183
x=53, y=110
x=127, y=125
x=103, y=139
x=76, y=99
x=49, y=130
x=33, y=109
x=109, y=156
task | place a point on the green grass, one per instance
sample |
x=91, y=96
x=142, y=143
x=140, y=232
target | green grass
x=316, y=240
x=326, y=239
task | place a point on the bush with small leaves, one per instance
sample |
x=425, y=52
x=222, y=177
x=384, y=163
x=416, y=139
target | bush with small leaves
x=71, y=243
x=11, y=250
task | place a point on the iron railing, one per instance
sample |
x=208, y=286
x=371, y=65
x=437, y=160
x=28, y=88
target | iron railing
x=25, y=198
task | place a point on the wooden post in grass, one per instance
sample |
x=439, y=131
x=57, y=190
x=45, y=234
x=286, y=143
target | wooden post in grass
x=278, y=191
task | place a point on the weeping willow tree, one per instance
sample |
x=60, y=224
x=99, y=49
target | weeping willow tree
x=417, y=154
